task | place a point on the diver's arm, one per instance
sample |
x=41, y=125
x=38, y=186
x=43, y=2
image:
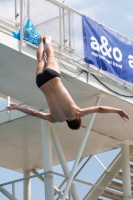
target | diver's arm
x=29, y=111
x=103, y=109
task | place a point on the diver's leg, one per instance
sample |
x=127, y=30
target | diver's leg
x=40, y=57
x=51, y=62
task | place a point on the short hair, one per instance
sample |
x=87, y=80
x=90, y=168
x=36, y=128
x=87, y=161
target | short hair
x=74, y=124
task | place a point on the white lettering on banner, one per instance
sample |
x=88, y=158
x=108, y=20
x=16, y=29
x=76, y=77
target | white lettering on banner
x=104, y=50
x=116, y=50
x=130, y=62
x=108, y=61
x=95, y=44
x=117, y=65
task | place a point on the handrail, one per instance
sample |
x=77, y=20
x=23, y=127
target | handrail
x=66, y=177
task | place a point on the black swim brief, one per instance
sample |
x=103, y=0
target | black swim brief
x=46, y=76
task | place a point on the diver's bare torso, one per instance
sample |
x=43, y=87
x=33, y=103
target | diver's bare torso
x=60, y=103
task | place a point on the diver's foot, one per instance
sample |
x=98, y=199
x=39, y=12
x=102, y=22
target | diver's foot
x=47, y=39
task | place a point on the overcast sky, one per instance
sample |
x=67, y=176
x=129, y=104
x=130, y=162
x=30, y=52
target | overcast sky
x=116, y=14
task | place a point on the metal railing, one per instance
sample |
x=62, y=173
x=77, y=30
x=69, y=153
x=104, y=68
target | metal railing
x=64, y=24
x=14, y=190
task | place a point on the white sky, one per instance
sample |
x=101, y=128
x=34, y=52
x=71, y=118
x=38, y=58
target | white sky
x=116, y=14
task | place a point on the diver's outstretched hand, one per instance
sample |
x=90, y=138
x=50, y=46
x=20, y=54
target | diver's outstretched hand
x=123, y=115
x=12, y=107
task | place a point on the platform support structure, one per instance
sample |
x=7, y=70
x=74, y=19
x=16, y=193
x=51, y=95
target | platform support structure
x=125, y=162
x=27, y=185
x=82, y=145
x=62, y=159
x=47, y=159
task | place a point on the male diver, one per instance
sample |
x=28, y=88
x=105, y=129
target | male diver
x=61, y=105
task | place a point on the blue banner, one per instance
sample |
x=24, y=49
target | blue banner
x=107, y=49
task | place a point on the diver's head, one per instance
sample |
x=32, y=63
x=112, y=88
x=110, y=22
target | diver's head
x=74, y=124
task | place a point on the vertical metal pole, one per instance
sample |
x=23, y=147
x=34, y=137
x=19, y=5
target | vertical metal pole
x=21, y=25
x=60, y=25
x=8, y=101
x=27, y=186
x=62, y=160
x=16, y=10
x=81, y=149
x=125, y=158
x=63, y=25
x=47, y=159
x=69, y=27
x=28, y=9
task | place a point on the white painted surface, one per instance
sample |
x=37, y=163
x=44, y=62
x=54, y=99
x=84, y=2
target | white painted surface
x=47, y=159
x=125, y=163
x=27, y=185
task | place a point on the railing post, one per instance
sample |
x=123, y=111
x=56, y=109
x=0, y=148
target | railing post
x=21, y=25
x=69, y=22
x=16, y=10
x=29, y=9
x=63, y=26
x=60, y=26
